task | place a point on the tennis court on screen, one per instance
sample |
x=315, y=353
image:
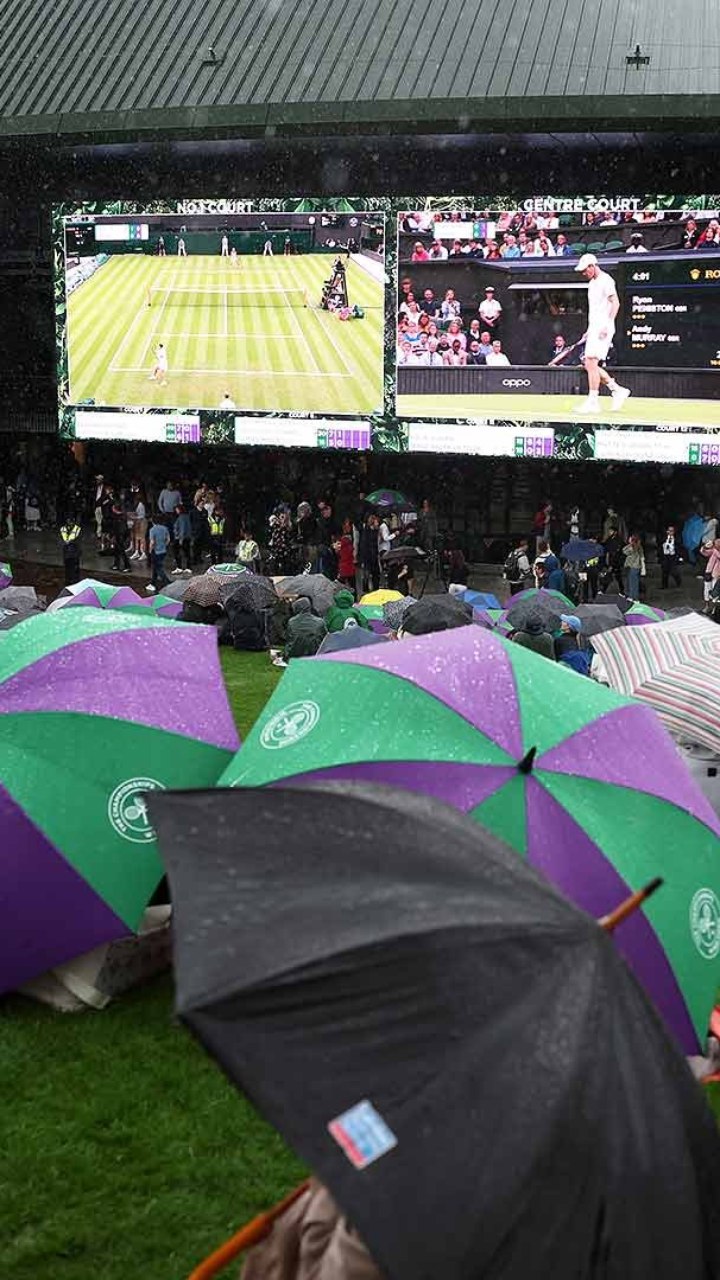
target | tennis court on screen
x=252, y=331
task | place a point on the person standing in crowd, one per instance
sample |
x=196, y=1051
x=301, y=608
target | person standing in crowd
x=247, y=551
x=182, y=537
x=71, y=540
x=613, y=520
x=614, y=560
x=217, y=535
x=670, y=559
x=280, y=542
x=159, y=543
x=138, y=533
x=106, y=508
x=517, y=571
x=635, y=565
x=199, y=528
x=711, y=552
x=368, y=553
x=344, y=546
x=119, y=537
x=427, y=526
x=307, y=535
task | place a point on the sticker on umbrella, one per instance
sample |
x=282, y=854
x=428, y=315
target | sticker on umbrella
x=363, y=1134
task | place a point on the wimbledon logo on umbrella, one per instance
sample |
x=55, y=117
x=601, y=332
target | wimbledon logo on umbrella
x=127, y=810
x=289, y=725
x=705, y=923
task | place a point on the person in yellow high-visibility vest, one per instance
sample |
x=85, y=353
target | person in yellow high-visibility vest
x=70, y=537
x=217, y=535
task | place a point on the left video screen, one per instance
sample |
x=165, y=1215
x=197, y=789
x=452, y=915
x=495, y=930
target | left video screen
x=266, y=312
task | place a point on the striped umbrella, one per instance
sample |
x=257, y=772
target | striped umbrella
x=96, y=709
x=631, y=656
x=583, y=783
x=6, y=574
x=687, y=698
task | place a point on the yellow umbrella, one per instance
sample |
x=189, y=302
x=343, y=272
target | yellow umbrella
x=380, y=597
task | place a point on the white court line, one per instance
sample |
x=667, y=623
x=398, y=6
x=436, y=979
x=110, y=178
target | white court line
x=224, y=336
x=245, y=373
x=348, y=373
x=153, y=332
x=140, y=315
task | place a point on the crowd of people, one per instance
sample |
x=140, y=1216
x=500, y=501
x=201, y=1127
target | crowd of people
x=432, y=330
x=496, y=236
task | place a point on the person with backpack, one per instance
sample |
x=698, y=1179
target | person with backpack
x=517, y=571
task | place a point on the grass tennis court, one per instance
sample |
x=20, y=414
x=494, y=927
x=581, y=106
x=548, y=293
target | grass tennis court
x=638, y=411
x=244, y=331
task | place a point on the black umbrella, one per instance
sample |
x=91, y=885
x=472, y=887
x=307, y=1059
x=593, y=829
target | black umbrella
x=436, y=613
x=403, y=555
x=535, y=607
x=252, y=591
x=597, y=618
x=460, y=1054
x=624, y=603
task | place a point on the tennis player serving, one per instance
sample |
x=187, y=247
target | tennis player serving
x=603, y=307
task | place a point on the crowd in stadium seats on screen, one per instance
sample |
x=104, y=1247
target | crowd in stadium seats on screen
x=436, y=327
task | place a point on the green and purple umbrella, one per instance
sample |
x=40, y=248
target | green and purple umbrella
x=100, y=595
x=562, y=603
x=386, y=498
x=164, y=606
x=6, y=574
x=96, y=709
x=581, y=781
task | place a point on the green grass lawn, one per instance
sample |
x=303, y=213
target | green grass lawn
x=637, y=411
x=125, y=1152
x=245, y=331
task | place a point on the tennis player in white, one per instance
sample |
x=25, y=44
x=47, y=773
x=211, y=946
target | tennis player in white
x=160, y=371
x=603, y=306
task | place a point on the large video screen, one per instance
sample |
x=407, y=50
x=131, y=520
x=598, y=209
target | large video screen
x=550, y=309
x=210, y=309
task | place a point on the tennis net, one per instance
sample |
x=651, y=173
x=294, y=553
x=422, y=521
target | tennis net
x=197, y=296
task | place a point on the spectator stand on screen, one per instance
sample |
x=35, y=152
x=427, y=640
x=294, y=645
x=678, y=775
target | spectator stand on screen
x=490, y=310
x=451, y=307
x=497, y=357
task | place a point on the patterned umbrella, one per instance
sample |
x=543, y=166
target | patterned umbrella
x=101, y=595
x=386, y=498
x=96, y=708
x=165, y=607
x=584, y=783
x=229, y=570
x=251, y=592
x=632, y=656
x=6, y=575
x=687, y=698
x=562, y=603
x=393, y=610
x=205, y=590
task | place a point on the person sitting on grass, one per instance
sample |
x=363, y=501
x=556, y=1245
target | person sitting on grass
x=342, y=609
x=305, y=632
x=534, y=636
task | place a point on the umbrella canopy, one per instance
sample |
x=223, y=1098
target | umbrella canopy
x=382, y=596
x=205, y=590
x=624, y=603
x=633, y=656
x=562, y=603
x=582, y=782
x=20, y=599
x=10, y=618
x=640, y=610
x=481, y=599
x=96, y=708
x=350, y=638
x=687, y=698
x=319, y=590
x=436, y=613
x=386, y=498
x=597, y=618
x=6, y=574
x=231, y=570
x=403, y=555
x=393, y=611
x=176, y=590
x=458, y=1053
x=582, y=549
x=164, y=606
x=251, y=592
x=100, y=595
x=540, y=606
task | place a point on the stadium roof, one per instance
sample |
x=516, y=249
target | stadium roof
x=253, y=67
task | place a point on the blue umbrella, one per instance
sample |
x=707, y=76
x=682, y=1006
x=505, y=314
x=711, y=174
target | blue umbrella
x=480, y=599
x=582, y=549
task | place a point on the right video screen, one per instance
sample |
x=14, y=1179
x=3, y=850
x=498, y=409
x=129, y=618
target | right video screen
x=552, y=309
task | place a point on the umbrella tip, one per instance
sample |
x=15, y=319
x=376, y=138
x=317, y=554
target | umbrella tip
x=526, y=764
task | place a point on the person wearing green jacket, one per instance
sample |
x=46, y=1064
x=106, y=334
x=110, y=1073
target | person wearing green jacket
x=342, y=609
